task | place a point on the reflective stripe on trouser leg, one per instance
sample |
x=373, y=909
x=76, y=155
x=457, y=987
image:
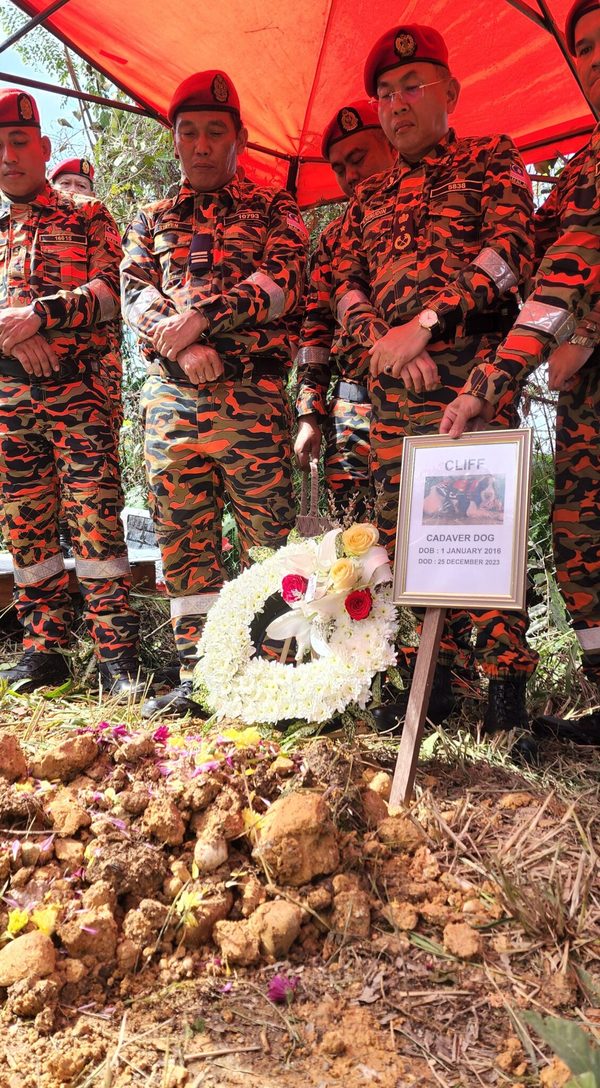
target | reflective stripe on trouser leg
x=501, y=644
x=347, y=454
x=187, y=620
x=29, y=501
x=200, y=444
x=57, y=440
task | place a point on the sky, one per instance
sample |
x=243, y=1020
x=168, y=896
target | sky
x=65, y=141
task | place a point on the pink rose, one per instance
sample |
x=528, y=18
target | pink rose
x=358, y=604
x=293, y=588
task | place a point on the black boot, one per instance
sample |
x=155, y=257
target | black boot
x=441, y=704
x=177, y=702
x=123, y=677
x=506, y=706
x=583, y=730
x=37, y=670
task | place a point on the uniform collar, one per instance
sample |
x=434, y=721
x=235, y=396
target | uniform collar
x=229, y=194
x=440, y=151
x=47, y=198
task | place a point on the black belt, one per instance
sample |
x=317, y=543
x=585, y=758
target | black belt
x=69, y=372
x=480, y=324
x=353, y=392
x=233, y=369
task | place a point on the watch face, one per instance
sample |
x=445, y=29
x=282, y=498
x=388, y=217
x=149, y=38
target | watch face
x=428, y=319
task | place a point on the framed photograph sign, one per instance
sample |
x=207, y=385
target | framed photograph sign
x=463, y=521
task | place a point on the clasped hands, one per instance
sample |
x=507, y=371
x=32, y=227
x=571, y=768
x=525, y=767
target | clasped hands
x=176, y=338
x=21, y=339
x=401, y=353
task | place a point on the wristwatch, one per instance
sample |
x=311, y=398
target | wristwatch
x=429, y=320
x=583, y=341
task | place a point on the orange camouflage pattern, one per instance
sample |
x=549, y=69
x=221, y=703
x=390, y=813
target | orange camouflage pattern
x=568, y=279
x=56, y=444
x=567, y=232
x=452, y=232
x=251, y=293
x=231, y=437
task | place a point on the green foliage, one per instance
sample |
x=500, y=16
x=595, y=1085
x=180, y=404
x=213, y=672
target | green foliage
x=572, y=1045
x=133, y=154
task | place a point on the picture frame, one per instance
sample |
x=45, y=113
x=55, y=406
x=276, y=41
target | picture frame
x=463, y=520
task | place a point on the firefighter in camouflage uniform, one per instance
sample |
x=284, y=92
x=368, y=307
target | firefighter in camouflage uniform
x=59, y=257
x=211, y=280
x=76, y=176
x=430, y=264
x=356, y=148
x=563, y=309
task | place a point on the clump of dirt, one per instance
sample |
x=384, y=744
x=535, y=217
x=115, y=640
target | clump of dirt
x=149, y=871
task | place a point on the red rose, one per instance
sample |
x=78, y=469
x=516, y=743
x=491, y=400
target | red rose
x=293, y=588
x=359, y=603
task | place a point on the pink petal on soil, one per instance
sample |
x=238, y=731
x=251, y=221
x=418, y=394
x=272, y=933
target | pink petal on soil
x=281, y=989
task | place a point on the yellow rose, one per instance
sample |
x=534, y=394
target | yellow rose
x=343, y=574
x=359, y=538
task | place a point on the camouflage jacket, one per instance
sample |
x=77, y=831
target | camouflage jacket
x=325, y=349
x=63, y=251
x=567, y=284
x=249, y=282
x=452, y=232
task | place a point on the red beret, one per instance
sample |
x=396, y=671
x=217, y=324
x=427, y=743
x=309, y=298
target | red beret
x=18, y=108
x=205, y=91
x=579, y=8
x=403, y=45
x=347, y=121
x=73, y=166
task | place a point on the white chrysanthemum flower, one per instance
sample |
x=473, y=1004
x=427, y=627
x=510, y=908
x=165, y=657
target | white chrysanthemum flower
x=239, y=684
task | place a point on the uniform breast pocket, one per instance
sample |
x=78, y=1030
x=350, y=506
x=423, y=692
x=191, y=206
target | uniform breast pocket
x=377, y=234
x=64, y=262
x=172, y=248
x=244, y=245
x=455, y=221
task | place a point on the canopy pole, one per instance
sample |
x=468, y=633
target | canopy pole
x=32, y=23
x=528, y=12
x=68, y=92
x=556, y=34
x=292, y=178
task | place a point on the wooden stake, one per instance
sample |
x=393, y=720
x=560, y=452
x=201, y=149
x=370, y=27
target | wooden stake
x=416, y=711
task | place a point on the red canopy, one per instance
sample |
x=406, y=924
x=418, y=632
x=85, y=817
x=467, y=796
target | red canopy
x=294, y=64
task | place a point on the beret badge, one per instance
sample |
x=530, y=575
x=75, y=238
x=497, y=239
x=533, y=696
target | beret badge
x=85, y=166
x=348, y=120
x=220, y=89
x=405, y=45
x=24, y=107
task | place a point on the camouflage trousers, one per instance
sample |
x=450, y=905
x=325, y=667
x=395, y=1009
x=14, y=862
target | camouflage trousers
x=347, y=452
x=576, y=513
x=111, y=374
x=203, y=444
x=57, y=453
x=500, y=643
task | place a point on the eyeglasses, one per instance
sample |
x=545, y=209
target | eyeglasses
x=412, y=92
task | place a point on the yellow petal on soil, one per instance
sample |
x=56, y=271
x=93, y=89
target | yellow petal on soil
x=44, y=919
x=17, y=920
x=243, y=738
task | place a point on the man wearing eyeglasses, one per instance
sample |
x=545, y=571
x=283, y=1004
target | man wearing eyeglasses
x=356, y=149
x=563, y=310
x=431, y=263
